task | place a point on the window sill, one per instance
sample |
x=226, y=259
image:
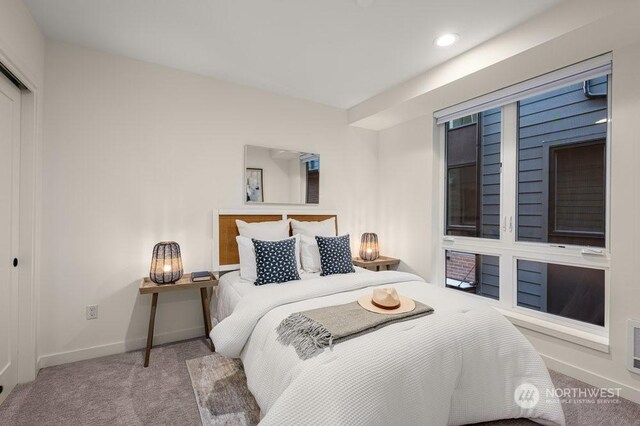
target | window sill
x=579, y=337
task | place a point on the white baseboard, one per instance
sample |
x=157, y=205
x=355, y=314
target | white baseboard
x=627, y=392
x=117, y=347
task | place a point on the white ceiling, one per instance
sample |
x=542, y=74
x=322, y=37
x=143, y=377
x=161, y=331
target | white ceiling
x=330, y=51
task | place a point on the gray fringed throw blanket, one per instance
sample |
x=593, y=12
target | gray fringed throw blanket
x=309, y=332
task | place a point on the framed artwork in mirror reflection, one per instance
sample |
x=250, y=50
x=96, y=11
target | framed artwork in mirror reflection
x=254, y=185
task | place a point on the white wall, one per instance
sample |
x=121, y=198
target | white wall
x=407, y=157
x=21, y=40
x=406, y=186
x=136, y=153
x=297, y=181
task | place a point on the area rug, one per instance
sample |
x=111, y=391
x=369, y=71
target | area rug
x=220, y=386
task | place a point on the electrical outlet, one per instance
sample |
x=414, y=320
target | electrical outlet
x=92, y=312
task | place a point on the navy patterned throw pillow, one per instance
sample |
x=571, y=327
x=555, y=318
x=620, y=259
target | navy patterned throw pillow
x=276, y=261
x=335, y=255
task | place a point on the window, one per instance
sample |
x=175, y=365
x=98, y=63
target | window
x=576, y=185
x=473, y=175
x=567, y=291
x=463, y=121
x=462, y=177
x=473, y=273
x=525, y=190
x=463, y=200
x=561, y=169
x=313, y=182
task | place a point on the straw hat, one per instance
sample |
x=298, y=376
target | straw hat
x=386, y=301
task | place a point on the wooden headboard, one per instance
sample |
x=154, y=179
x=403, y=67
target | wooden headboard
x=227, y=250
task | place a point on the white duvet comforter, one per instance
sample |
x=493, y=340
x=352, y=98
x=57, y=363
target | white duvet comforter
x=459, y=365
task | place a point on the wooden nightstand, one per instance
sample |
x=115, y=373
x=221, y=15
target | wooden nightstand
x=147, y=286
x=380, y=261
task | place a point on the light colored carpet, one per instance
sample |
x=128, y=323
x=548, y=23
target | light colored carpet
x=113, y=390
x=117, y=390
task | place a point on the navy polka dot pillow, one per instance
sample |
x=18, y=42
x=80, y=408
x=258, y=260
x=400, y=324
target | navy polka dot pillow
x=335, y=255
x=276, y=261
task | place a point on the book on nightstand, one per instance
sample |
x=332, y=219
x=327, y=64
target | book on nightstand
x=200, y=276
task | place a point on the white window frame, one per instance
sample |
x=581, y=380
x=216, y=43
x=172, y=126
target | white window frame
x=509, y=250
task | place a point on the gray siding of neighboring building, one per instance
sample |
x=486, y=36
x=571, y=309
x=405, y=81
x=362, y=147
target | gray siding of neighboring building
x=489, y=276
x=490, y=173
x=490, y=197
x=562, y=116
x=532, y=293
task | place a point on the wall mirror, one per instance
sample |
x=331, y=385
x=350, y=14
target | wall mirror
x=280, y=176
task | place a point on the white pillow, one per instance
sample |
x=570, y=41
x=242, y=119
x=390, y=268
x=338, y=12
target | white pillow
x=310, y=254
x=265, y=231
x=247, y=253
x=325, y=228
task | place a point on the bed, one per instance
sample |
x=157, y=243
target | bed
x=460, y=365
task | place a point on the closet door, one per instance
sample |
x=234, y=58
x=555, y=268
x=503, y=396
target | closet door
x=9, y=187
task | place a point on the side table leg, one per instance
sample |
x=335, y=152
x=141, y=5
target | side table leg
x=204, y=297
x=152, y=321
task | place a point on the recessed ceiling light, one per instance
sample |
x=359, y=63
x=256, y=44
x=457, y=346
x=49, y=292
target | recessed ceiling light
x=446, y=40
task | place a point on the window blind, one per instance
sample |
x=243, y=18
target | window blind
x=313, y=187
x=582, y=71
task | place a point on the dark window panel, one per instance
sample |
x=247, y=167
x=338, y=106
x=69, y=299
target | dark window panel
x=462, y=199
x=462, y=145
x=577, y=194
x=313, y=186
x=473, y=176
x=567, y=291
